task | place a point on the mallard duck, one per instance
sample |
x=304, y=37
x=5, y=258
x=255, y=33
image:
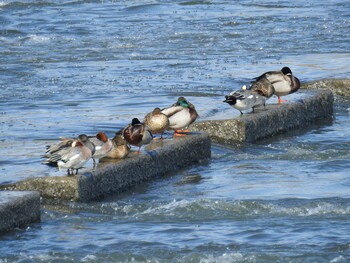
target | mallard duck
x=283, y=81
x=181, y=114
x=137, y=134
x=70, y=154
x=120, y=148
x=244, y=100
x=156, y=121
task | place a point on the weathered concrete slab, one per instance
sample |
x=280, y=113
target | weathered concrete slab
x=339, y=87
x=18, y=209
x=56, y=187
x=161, y=157
x=271, y=120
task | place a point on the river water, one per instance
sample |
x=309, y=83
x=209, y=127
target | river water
x=71, y=67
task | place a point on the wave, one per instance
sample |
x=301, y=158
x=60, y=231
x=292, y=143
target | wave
x=34, y=3
x=211, y=209
x=168, y=256
x=24, y=4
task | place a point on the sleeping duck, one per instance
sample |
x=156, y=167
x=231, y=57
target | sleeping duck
x=283, y=81
x=243, y=100
x=70, y=154
x=181, y=114
x=103, y=145
x=120, y=148
x=156, y=121
x=137, y=134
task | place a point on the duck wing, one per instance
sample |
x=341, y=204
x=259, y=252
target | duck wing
x=64, y=143
x=267, y=75
x=172, y=110
x=71, y=155
x=263, y=87
x=133, y=134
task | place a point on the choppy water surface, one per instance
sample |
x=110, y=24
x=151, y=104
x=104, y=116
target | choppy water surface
x=71, y=67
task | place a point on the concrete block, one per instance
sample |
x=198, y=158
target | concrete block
x=18, y=208
x=159, y=158
x=163, y=157
x=55, y=187
x=271, y=120
x=339, y=87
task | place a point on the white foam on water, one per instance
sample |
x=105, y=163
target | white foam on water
x=339, y=259
x=168, y=209
x=302, y=210
x=89, y=258
x=39, y=38
x=225, y=258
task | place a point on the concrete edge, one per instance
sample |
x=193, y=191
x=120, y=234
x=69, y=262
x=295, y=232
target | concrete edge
x=285, y=117
x=271, y=120
x=18, y=209
x=159, y=158
x=340, y=87
x=119, y=177
x=56, y=187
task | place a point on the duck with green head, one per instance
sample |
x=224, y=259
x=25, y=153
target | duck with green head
x=181, y=114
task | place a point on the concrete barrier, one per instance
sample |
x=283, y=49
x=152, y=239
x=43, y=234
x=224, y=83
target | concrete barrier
x=159, y=158
x=271, y=120
x=18, y=209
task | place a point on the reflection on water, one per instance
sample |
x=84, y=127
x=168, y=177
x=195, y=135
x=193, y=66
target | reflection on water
x=72, y=67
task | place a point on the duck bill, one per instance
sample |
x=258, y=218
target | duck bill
x=229, y=101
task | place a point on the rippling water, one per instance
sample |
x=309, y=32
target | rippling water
x=71, y=67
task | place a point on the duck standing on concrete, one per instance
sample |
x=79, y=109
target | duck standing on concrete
x=53, y=152
x=137, y=134
x=103, y=146
x=70, y=154
x=283, y=81
x=120, y=148
x=244, y=100
x=75, y=158
x=181, y=114
x=157, y=122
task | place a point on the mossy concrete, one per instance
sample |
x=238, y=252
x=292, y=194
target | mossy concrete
x=339, y=87
x=158, y=158
x=18, y=209
x=271, y=120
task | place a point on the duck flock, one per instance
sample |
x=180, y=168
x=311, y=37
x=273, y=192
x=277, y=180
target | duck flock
x=73, y=153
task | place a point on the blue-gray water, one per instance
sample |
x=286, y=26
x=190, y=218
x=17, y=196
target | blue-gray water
x=71, y=67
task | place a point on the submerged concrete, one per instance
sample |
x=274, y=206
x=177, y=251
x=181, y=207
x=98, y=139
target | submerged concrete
x=18, y=209
x=271, y=120
x=159, y=158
